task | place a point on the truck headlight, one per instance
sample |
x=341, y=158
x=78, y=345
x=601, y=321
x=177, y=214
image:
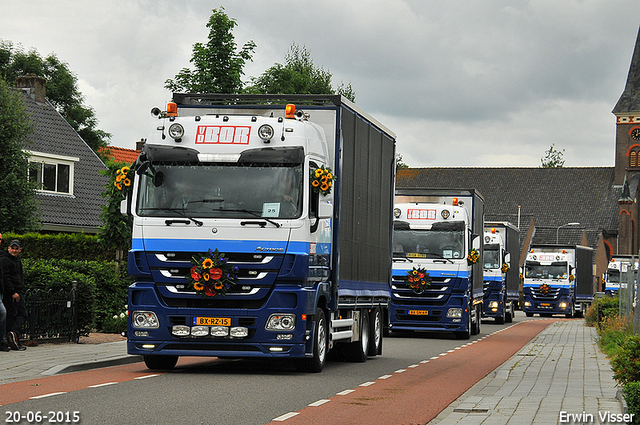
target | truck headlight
x=454, y=312
x=176, y=131
x=266, y=132
x=180, y=330
x=281, y=322
x=563, y=305
x=200, y=330
x=493, y=304
x=144, y=319
x=527, y=304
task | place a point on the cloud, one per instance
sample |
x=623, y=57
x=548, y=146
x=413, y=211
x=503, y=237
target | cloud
x=490, y=83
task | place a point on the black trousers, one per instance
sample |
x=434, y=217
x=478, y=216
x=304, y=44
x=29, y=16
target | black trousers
x=16, y=313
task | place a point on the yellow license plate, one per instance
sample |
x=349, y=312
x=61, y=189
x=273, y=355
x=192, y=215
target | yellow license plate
x=545, y=304
x=419, y=312
x=211, y=321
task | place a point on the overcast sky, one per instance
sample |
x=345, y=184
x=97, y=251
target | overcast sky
x=461, y=83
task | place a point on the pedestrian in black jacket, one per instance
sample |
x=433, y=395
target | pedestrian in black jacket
x=3, y=313
x=13, y=299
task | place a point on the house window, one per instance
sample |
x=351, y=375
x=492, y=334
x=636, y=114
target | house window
x=53, y=173
x=633, y=159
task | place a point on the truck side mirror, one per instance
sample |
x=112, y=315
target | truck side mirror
x=123, y=207
x=507, y=257
x=325, y=210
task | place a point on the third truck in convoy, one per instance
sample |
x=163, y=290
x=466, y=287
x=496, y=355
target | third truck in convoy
x=501, y=271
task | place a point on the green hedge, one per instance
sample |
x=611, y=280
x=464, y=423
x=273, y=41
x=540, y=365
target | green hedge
x=63, y=246
x=102, y=286
x=631, y=393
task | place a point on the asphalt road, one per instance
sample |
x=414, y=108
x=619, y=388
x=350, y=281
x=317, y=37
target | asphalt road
x=213, y=391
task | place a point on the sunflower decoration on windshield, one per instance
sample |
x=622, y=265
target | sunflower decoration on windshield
x=322, y=180
x=418, y=279
x=505, y=267
x=473, y=257
x=212, y=275
x=544, y=289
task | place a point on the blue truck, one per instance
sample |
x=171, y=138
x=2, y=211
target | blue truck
x=501, y=271
x=558, y=279
x=437, y=261
x=261, y=228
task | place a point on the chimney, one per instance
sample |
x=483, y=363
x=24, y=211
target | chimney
x=37, y=86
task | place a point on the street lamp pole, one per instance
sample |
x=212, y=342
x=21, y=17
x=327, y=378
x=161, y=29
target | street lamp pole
x=564, y=225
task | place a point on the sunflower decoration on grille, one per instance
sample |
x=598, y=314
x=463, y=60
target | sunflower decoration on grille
x=544, y=289
x=322, y=180
x=505, y=267
x=123, y=180
x=212, y=275
x=418, y=279
x=473, y=257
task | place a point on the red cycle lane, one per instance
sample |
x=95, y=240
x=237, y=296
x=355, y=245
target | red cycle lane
x=419, y=394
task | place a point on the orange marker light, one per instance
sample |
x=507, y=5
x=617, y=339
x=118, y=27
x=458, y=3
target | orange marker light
x=493, y=230
x=290, y=111
x=172, y=109
x=455, y=202
x=304, y=317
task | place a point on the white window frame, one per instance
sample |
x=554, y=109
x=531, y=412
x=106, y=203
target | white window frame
x=42, y=158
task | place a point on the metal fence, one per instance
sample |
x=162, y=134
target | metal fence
x=53, y=314
x=629, y=295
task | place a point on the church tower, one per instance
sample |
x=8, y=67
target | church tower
x=627, y=161
x=627, y=112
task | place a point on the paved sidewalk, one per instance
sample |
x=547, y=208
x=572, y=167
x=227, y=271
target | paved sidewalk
x=51, y=359
x=561, y=372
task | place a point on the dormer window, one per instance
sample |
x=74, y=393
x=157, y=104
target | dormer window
x=53, y=173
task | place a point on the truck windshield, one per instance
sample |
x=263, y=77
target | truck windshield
x=554, y=271
x=437, y=242
x=221, y=191
x=613, y=276
x=492, y=256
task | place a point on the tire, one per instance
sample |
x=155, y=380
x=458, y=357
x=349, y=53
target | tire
x=356, y=351
x=478, y=319
x=375, y=332
x=572, y=312
x=316, y=363
x=500, y=320
x=474, y=326
x=156, y=362
x=509, y=315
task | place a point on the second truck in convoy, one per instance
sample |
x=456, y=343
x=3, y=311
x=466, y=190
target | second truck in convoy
x=437, y=261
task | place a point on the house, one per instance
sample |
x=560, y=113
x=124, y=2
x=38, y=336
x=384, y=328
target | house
x=118, y=154
x=591, y=206
x=67, y=169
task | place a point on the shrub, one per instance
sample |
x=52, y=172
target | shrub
x=626, y=362
x=115, y=324
x=46, y=274
x=67, y=246
x=631, y=393
x=601, y=309
x=613, y=332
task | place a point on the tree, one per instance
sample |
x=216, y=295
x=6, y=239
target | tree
x=399, y=163
x=18, y=209
x=62, y=89
x=552, y=158
x=298, y=75
x=218, y=67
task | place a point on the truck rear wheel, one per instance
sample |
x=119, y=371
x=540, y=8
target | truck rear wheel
x=375, y=332
x=356, y=351
x=156, y=362
x=316, y=363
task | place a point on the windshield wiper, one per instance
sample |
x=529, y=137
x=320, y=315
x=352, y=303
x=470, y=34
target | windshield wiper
x=197, y=222
x=401, y=256
x=255, y=214
x=439, y=256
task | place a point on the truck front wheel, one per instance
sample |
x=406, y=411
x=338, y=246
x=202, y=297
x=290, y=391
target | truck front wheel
x=156, y=362
x=316, y=363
